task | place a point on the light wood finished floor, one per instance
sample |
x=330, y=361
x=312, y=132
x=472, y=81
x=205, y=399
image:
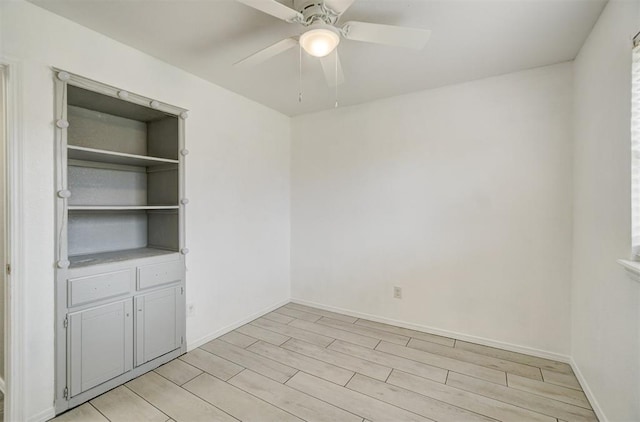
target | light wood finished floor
x=304, y=364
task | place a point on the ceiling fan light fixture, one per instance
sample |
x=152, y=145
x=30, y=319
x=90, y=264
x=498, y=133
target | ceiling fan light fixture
x=320, y=40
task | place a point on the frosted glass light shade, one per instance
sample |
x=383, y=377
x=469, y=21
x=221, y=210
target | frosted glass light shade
x=320, y=41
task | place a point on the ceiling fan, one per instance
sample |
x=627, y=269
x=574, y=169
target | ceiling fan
x=322, y=34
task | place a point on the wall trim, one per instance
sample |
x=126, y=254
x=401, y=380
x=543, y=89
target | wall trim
x=446, y=333
x=202, y=340
x=588, y=392
x=15, y=303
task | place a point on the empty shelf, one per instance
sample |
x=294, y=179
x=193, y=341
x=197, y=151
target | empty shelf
x=115, y=256
x=112, y=157
x=121, y=207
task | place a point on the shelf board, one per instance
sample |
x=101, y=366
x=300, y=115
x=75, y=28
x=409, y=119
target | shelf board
x=112, y=157
x=115, y=256
x=121, y=207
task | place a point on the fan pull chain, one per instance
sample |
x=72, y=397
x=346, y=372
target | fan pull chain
x=300, y=74
x=336, y=55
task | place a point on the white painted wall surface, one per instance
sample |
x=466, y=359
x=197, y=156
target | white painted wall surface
x=237, y=182
x=606, y=303
x=459, y=195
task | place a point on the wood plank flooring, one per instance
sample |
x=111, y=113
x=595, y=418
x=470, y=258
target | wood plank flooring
x=304, y=364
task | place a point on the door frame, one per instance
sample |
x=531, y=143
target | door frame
x=14, y=320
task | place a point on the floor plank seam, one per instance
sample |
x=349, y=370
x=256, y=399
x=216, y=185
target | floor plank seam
x=147, y=401
x=446, y=403
x=422, y=395
x=354, y=374
x=211, y=404
x=559, y=401
x=301, y=392
x=254, y=396
x=387, y=379
x=324, y=401
x=509, y=403
x=444, y=368
x=98, y=410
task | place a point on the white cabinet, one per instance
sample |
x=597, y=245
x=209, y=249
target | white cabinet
x=100, y=345
x=157, y=323
x=120, y=211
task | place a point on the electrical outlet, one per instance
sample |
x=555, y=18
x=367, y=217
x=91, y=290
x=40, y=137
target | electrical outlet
x=191, y=309
x=397, y=292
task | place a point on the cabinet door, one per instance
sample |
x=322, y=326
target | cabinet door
x=100, y=345
x=158, y=317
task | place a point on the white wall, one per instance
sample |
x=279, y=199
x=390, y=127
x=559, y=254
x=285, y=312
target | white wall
x=606, y=303
x=237, y=182
x=460, y=195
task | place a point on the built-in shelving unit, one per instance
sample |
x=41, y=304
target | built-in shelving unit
x=122, y=170
x=120, y=265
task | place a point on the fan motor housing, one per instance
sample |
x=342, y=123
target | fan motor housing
x=315, y=11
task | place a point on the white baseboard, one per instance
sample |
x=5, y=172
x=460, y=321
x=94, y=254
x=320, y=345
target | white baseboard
x=202, y=340
x=446, y=333
x=43, y=416
x=588, y=392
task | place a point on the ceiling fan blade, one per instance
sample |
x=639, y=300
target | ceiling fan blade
x=328, y=63
x=397, y=36
x=267, y=53
x=274, y=8
x=338, y=6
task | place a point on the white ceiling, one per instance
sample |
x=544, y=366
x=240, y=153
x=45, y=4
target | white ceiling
x=471, y=39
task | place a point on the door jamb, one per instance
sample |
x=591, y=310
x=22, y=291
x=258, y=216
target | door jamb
x=14, y=296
